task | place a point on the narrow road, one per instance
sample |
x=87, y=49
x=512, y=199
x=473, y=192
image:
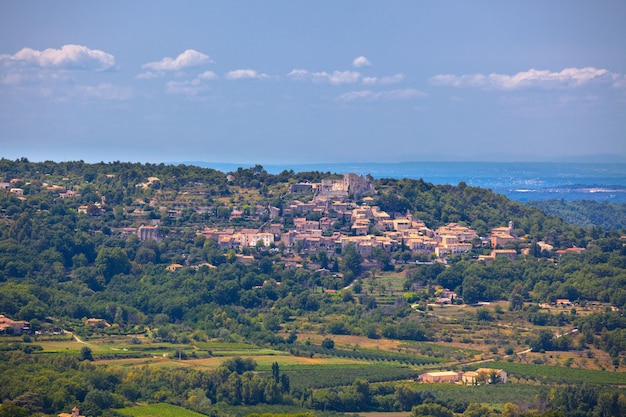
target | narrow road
x=78, y=339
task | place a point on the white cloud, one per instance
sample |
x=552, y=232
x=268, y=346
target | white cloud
x=208, y=75
x=619, y=81
x=392, y=79
x=149, y=75
x=107, y=92
x=35, y=76
x=396, y=78
x=186, y=88
x=335, y=78
x=357, y=95
x=191, y=87
x=299, y=74
x=343, y=77
x=361, y=62
x=567, y=78
x=242, y=74
x=188, y=59
x=69, y=57
x=369, y=95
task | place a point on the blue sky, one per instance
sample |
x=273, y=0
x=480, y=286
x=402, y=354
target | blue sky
x=279, y=82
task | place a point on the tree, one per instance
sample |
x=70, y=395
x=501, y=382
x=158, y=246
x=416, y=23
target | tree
x=543, y=341
x=408, y=396
x=363, y=393
x=431, y=410
x=232, y=389
x=271, y=323
x=145, y=255
x=383, y=259
x=516, y=301
x=608, y=405
x=85, y=354
x=482, y=314
x=473, y=289
x=273, y=394
x=103, y=399
x=328, y=343
x=511, y=410
x=350, y=264
x=112, y=261
x=284, y=383
x=198, y=401
x=240, y=365
x=322, y=256
x=253, y=388
x=9, y=409
x=477, y=410
x=275, y=371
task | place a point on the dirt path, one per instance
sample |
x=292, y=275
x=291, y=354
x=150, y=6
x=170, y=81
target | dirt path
x=78, y=339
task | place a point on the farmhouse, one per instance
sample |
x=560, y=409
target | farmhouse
x=97, y=322
x=479, y=376
x=174, y=267
x=485, y=376
x=443, y=376
x=11, y=326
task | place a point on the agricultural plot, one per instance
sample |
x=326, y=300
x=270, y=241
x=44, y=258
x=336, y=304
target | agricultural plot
x=158, y=410
x=322, y=376
x=556, y=374
x=264, y=362
x=413, y=352
x=495, y=395
x=225, y=346
x=268, y=410
x=385, y=288
x=438, y=350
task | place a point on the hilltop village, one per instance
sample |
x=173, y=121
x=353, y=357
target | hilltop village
x=342, y=212
x=335, y=213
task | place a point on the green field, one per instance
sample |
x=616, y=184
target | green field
x=261, y=410
x=496, y=395
x=158, y=410
x=321, y=376
x=560, y=374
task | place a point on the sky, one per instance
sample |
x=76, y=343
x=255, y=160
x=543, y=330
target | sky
x=280, y=82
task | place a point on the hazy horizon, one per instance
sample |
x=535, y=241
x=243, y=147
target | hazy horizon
x=587, y=159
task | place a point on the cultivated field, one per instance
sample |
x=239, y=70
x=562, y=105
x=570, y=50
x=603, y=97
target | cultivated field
x=158, y=410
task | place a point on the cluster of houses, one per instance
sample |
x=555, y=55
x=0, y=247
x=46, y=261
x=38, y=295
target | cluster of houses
x=14, y=189
x=329, y=222
x=370, y=228
x=316, y=224
x=314, y=229
x=477, y=377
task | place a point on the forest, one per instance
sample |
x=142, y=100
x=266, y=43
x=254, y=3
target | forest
x=68, y=257
x=604, y=214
